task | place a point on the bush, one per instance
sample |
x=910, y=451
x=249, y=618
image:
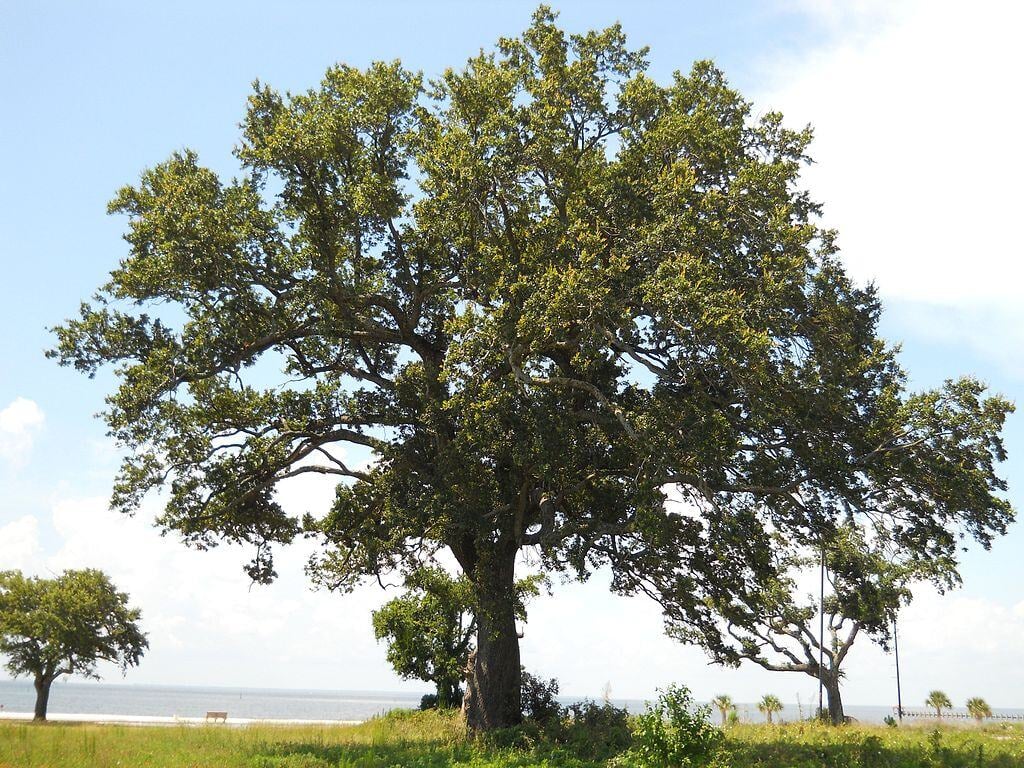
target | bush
x=581, y=734
x=583, y=731
x=527, y=736
x=431, y=701
x=539, y=700
x=674, y=733
x=596, y=731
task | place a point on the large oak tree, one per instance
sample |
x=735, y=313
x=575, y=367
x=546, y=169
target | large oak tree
x=541, y=291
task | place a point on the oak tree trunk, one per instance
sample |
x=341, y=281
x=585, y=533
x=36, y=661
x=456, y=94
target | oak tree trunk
x=494, y=675
x=42, y=685
x=835, y=700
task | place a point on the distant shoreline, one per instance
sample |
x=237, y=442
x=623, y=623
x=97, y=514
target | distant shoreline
x=154, y=720
x=146, y=703
x=128, y=684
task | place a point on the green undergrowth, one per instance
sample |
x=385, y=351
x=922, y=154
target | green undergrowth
x=811, y=745
x=437, y=740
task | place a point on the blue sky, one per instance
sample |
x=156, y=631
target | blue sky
x=917, y=164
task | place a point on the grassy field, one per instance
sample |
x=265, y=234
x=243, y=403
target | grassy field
x=427, y=740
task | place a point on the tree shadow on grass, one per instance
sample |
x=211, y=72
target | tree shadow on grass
x=314, y=754
x=870, y=752
x=417, y=754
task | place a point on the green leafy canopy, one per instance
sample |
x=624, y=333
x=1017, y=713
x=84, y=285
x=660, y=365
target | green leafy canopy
x=65, y=625
x=539, y=294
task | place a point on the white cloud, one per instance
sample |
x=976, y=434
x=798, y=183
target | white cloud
x=207, y=626
x=956, y=642
x=311, y=492
x=971, y=626
x=206, y=623
x=847, y=17
x=19, y=422
x=917, y=145
x=916, y=114
x=19, y=543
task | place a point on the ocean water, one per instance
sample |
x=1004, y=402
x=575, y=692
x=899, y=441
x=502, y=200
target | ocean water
x=188, y=701
x=69, y=697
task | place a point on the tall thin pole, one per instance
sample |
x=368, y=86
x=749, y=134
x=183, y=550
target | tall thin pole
x=896, y=648
x=821, y=635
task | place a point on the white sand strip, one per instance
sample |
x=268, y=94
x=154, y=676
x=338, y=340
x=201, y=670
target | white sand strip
x=62, y=717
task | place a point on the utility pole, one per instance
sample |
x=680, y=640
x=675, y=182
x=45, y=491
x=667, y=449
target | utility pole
x=896, y=649
x=821, y=635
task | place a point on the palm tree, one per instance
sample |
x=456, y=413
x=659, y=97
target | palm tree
x=723, y=703
x=768, y=705
x=978, y=708
x=939, y=701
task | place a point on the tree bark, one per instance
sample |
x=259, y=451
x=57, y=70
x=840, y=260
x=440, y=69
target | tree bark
x=835, y=700
x=494, y=677
x=42, y=685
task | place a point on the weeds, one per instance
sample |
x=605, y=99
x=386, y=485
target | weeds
x=593, y=737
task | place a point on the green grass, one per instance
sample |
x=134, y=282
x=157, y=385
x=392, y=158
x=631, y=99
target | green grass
x=806, y=745
x=429, y=740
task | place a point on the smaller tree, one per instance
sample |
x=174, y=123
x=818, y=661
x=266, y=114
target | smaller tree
x=769, y=705
x=723, y=703
x=65, y=625
x=978, y=708
x=938, y=701
x=430, y=629
x=896, y=520
x=771, y=625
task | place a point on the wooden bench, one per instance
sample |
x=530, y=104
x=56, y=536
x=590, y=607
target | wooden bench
x=215, y=716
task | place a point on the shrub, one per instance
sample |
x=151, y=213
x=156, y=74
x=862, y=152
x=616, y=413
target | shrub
x=594, y=731
x=539, y=700
x=585, y=730
x=431, y=701
x=871, y=751
x=527, y=736
x=674, y=733
x=590, y=714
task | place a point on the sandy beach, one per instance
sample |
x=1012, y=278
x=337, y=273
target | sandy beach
x=236, y=722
